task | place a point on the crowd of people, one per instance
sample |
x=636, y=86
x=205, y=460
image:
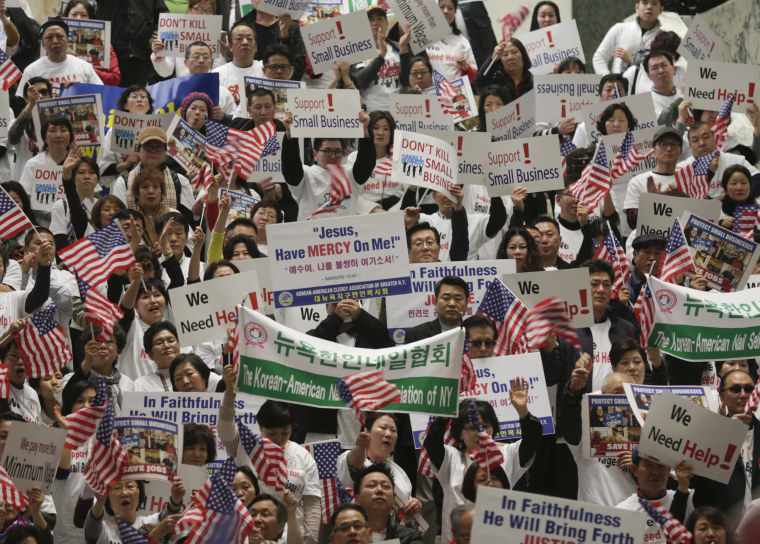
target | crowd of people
x=182, y=233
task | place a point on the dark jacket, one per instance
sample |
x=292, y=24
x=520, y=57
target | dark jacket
x=268, y=35
x=494, y=74
x=134, y=22
x=422, y=331
x=480, y=29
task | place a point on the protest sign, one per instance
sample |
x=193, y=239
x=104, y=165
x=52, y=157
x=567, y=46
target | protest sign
x=418, y=307
x=265, y=294
x=178, y=30
x=321, y=10
x=533, y=163
x=710, y=83
x=127, y=126
x=515, y=120
x=657, y=212
x=425, y=162
x=641, y=106
x=280, y=363
x=559, y=96
x=570, y=285
x=677, y=428
x=549, y=46
x=194, y=477
x=643, y=139
x=241, y=206
x=295, y=8
x=154, y=446
x=185, y=145
x=725, y=258
x=5, y=115
x=471, y=152
x=347, y=37
x=90, y=40
x=203, y=311
x=269, y=167
x=700, y=42
x=324, y=113
x=47, y=187
x=84, y=112
x=505, y=515
x=462, y=105
x=344, y=257
x=31, y=455
x=700, y=325
x=426, y=19
x=640, y=397
x=279, y=89
x=753, y=282
x=419, y=113
x=609, y=426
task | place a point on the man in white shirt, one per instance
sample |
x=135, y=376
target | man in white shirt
x=660, y=68
x=243, y=48
x=57, y=66
x=627, y=43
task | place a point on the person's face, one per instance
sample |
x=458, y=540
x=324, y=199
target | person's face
x=378, y=23
x=546, y=16
x=195, y=455
x=550, y=239
x=736, y=391
x=448, y=9
x=632, y=363
x=199, y=61
x=648, y=11
x=222, y=272
x=512, y=60
x=351, y=528
x=107, y=211
x=667, y=150
x=106, y=355
x=83, y=400
x=138, y=102
x=492, y=103
x=55, y=41
x=470, y=433
x=149, y=195
x=601, y=290
x=705, y=532
x=188, y=379
x=124, y=497
x=450, y=304
x=245, y=230
x=165, y=348
x=243, y=488
x=16, y=365
x=331, y=151
x=661, y=72
x=462, y=534
x=652, y=477
x=617, y=123
x=86, y=178
x=737, y=187
x=444, y=204
x=423, y=248
x=264, y=514
x=383, y=436
x=481, y=340
x=151, y=306
x=17, y=199
x=376, y=493
x=37, y=240
x=278, y=67
x=568, y=204
x=5, y=428
x=382, y=132
x=49, y=386
x=278, y=435
x=152, y=154
x=482, y=478
x=702, y=141
x=201, y=8
x=243, y=44
x=609, y=89
x=600, y=411
x=420, y=75
x=240, y=252
x=78, y=12
x=57, y=137
x=177, y=237
x=197, y=113
x=261, y=109
x=517, y=249
x=645, y=256
x=737, y=364
x=572, y=68
x=264, y=217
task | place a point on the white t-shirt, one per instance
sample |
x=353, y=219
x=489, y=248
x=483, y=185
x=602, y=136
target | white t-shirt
x=600, y=333
x=388, y=81
x=571, y=243
x=60, y=218
x=71, y=70
x=134, y=361
x=231, y=77
x=600, y=481
x=110, y=533
x=41, y=161
x=443, y=56
x=638, y=185
x=653, y=533
x=11, y=308
x=476, y=227
x=663, y=101
x=476, y=200
x=65, y=494
x=314, y=190
x=378, y=186
x=24, y=402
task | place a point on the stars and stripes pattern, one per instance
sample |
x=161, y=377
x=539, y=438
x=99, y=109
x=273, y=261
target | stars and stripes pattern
x=204, y=178
x=754, y=400
x=13, y=221
x=98, y=309
x=326, y=456
x=594, y=183
x=100, y=254
x=547, y=317
x=509, y=313
x=566, y=147
x=367, y=391
x=719, y=127
x=267, y=458
x=445, y=92
x=244, y=148
x=676, y=533
x=108, y=457
x=488, y=453
x=5, y=382
x=9, y=72
x=628, y=157
x=644, y=312
x=424, y=466
x=383, y=167
x=340, y=189
x=745, y=218
x=216, y=139
x=43, y=343
x=467, y=379
x=83, y=422
x=10, y=494
x=676, y=257
x=612, y=251
x=692, y=179
x=130, y=535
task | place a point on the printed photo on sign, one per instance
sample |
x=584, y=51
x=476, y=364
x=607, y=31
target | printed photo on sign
x=242, y=205
x=90, y=40
x=610, y=426
x=419, y=113
x=709, y=84
x=548, y=46
x=178, y=30
x=321, y=11
x=640, y=397
x=700, y=42
x=533, y=163
x=347, y=37
x=83, y=112
x=427, y=22
x=279, y=89
x=185, y=145
x=325, y=113
x=456, y=99
x=154, y=446
x=126, y=128
x=560, y=96
x=295, y=8
x=515, y=120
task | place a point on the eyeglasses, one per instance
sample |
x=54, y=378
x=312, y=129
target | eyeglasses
x=44, y=91
x=671, y=145
x=154, y=146
x=333, y=152
x=163, y=341
x=658, y=67
x=419, y=74
x=419, y=244
x=347, y=527
x=135, y=96
x=479, y=343
x=277, y=67
x=196, y=9
x=736, y=389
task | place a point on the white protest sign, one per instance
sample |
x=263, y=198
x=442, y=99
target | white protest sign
x=677, y=428
x=471, y=152
x=753, y=282
x=425, y=162
x=31, y=455
x=203, y=311
x=344, y=257
x=178, y=30
x=644, y=142
x=550, y=45
x=5, y=115
x=559, y=96
x=533, y=163
x=572, y=286
x=657, y=212
x=515, y=120
x=47, y=187
x=270, y=166
x=280, y=7
x=462, y=105
x=641, y=106
x=347, y=37
x=700, y=42
x=709, y=84
x=193, y=477
x=505, y=515
x=324, y=113
x=419, y=113
x=426, y=19
x=127, y=126
x=265, y=293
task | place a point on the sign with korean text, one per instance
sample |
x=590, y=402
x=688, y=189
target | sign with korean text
x=709, y=84
x=178, y=30
x=324, y=113
x=657, y=212
x=700, y=42
x=419, y=113
x=515, y=120
x=609, y=426
x=551, y=45
x=425, y=162
x=31, y=455
x=560, y=96
x=534, y=163
x=347, y=37
x=426, y=19
x=127, y=126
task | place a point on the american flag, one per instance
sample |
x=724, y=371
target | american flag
x=488, y=453
x=644, y=312
x=628, y=157
x=511, y=21
x=9, y=72
x=204, y=178
x=43, y=343
x=82, y=423
x=424, y=466
x=245, y=148
x=745, y=219
x=267, y=458
x=367, y=391
x=130, y=535
x=615, y=92
x=10, y=494
x=13, y=221
x=753, y=401
x=692, y=179
x=509, y=313
x=675, y=532
x=383, y=167
x=566, y=147
x=5, y=382
x=98, y=309
x=340, y=189
x=720, y=125
x=326, y=455
x=676, y=257
x=445, y=92
x=612, y=251
x=468, y=378
x=594, y=183
x=546, y=317
x=108, y=457
x=100, y=254
x=216, y=139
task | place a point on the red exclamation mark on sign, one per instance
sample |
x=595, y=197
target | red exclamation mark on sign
x=459, y=145
x=712, y=47
x=751, y=94
x=254, y=300
x=549, y=35
x=584, y=301
x=329, y=102
x=340, y=29
x=564, y=108
x=517, y=107
x=527, y=153
x=427, y=108
x=729, y=454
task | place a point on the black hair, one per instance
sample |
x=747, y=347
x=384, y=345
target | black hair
x=56, y=121
x=282, y=511
x=371, y=469
x=609, y=111
x=696, y=126
x=455, y=281
x=371, y=417
x=20, y=533
x=532, y=261
x=213, y=267
x=241, y=221
x=277, y=49
x=617, y=78
x=523, y=52
x=4, y=259
x=34, y=383
x=195, y=433
x=195, y=361
x=240, y=22
x=122, y=101
x=468, y=482
x=147, y=286
x=102, y=201
x=568, y=63
x=376, y=116
x=666, y=40
x=454, y=28
x=485, y=411
x=714, y=516
x=274, y=414
x=74, y=3
x=26, y=203
x=622, y=346
x=143, y=253
x=534, y=17
x=140, y=500
x=251, y=477
x=598, y=265
x=724, y=378
x=478, y=320
x=751, y=365
x=29, y=236
x=654, y=54
x=197, y=43
x=418, y=227
x=504, y=93
x=267, y=204
x=37, y=79
x=91, y=332
x=423, y=60
x=89, y=161
x=546, y=219
x=10, y=416
x=153, y=330
x=229, y=247
x=178, y=218
x=261, y=91
x=728, y=204
x=319, y=141
x=74, y=389
x=342, y=508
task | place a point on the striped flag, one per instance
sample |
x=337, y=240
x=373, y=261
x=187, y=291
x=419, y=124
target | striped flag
x=509, y=313
x=267, y=458
x=98, y=309
x=108, y=457
x=204, y=178
x=511, y=21
x=248, y=147
x=566, y=147
x=628, y=157
x=615, y=92
x=9, y=72
x=745, y=220
x=5, y=382
x=754, y=400
x=130, y=535
x=340, y=189
x=719, y=127
x=367, y=391
x=83, y=422
x=644, y=312
x=468, y=379
x=676, y=257
x=594, y=183
x=216, y=139
x=424, y=466
x=488, y=453
x=692, y=179
x=546, y=317
x=43, y=343
x=13, y=221
x=100, y=254
x=446, y=93
x=675, y=532
x=326, y=456
x=10, y=494
x=612, y=251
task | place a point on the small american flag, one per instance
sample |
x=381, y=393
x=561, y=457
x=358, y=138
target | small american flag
x=271, y=147
x=509, y=313
x=566, y=147
x=108, y=457
x=595, y=179
x=692, y=178
x=676, y=257
x=82, y=423
x=628, y=157
x=340, y=189
x=267, y=458
x=754, y=400
x=644, y=312
x=204, y=178
x=612, y=251
x=13, y=221
x=249, y=147
x=367, y=391
x=676, y=533
x=98, y=309
x=9, y=72
x=511, y=21
x=720, y=125
x=445, y=92
x=5, y=382
x=383, y=167
x=96, y=257
x=468, y=379
x=130, y=535
x=745, y=219
x=424, y=466
x=488, y=454
x=216, y=139
x=546, y=317
x=326, y=456
x=43, y=343
x=10, y=494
